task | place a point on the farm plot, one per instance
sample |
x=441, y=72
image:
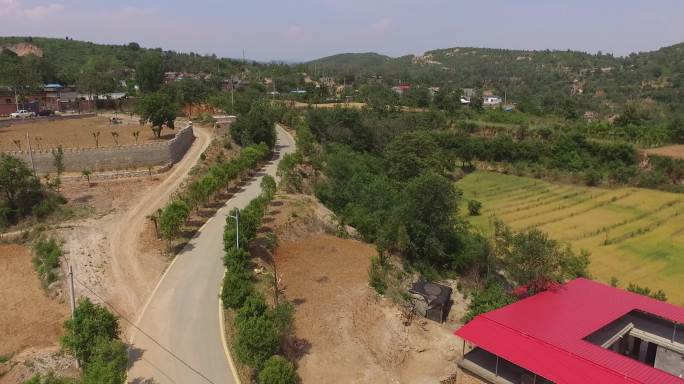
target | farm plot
x=636, y=235
x=89, y=132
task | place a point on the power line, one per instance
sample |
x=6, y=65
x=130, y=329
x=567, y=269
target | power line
x=200, y=374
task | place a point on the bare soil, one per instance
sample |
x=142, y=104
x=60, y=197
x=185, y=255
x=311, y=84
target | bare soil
x=674, y=151
x=28, y=316
x=344, y=331
x=78, y=133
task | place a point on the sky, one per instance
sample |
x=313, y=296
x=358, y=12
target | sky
x=299, y=30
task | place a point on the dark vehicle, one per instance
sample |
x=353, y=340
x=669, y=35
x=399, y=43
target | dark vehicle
x=46, y=112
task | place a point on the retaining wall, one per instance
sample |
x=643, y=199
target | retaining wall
x=8, y=122
x=114, y=158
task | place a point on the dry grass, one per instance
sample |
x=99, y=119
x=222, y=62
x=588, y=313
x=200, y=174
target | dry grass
x=674, y=151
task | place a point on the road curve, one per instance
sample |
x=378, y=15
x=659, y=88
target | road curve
x=181, y=338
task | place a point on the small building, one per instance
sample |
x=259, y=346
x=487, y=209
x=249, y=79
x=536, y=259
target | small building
x=402, y=88
x=578, y=333
x=491, y=101
x=431, y=300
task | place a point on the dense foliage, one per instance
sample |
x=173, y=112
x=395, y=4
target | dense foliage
x=218, y=177
x=46, y=259
x=22, y=194
x=92, y=336
x=259, y=329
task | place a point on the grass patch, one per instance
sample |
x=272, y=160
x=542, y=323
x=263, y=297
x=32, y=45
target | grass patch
x=46, y=259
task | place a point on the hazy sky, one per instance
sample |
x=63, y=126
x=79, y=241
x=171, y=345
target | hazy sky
x=306, y=29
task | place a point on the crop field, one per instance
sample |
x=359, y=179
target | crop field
x=77, y=133
x=633, y=234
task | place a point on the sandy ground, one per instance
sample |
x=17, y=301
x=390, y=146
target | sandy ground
x=344, y=331
x=115, y=253
x=674, y=151
x=28, y=316
x=77, y=133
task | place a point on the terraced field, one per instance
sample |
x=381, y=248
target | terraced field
x=636, y=235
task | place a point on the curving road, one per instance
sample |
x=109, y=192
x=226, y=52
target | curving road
x=181, y=339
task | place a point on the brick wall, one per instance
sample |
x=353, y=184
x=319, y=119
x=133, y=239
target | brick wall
x=114, y=158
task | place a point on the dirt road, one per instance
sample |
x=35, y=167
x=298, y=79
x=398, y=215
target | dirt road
x=133, y=275
x=110, y=249
x=183, y=336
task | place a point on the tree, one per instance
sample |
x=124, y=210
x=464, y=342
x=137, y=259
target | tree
x=20, y=74
x=173, y=218
x=268, y=186
x=535, y=261
x=149, y=74
x=237, y=286
x=277, y=370
x=158, y=109
x=428, y=218
x=413, y=154
x=20, y=189
x=100, y=74
x=86, y=173
x=492, y=297
x=90, y=323
x=257, y=126
x=256, y=341
x=474, y=207
x=108, y=363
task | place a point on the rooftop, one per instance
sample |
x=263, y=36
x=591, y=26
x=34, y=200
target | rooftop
x=546, y=334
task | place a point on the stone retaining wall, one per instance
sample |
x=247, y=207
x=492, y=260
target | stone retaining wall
x=114, y=158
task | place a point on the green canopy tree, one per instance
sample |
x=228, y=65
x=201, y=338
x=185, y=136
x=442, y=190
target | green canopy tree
x=149, y=73
x=158, y=109
x=277, y=370
x=91, y=322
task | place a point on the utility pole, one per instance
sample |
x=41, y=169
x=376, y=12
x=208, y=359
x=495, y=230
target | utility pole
x=33, y=166
x=16, y=98
x=73, y=302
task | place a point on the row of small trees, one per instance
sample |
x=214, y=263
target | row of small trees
x=259, y=329
x=205, y=189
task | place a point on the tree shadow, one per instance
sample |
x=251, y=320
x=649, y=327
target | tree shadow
x=296, y=348
x=182, y=246
x=299, y=301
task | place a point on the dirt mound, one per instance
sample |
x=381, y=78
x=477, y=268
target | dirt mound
x=344, y=331
x=23, y=49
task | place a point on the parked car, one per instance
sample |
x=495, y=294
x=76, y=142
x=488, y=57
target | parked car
x=46, y=112
x=22, y=114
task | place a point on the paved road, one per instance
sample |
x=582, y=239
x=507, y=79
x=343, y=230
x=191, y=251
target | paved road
x=183, y=312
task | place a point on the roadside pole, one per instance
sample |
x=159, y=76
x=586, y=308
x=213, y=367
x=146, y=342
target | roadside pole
x=73, y=302
x=33, y=166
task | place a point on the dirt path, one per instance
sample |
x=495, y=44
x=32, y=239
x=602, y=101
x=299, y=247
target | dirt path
x=132, y=272
x=110, y=251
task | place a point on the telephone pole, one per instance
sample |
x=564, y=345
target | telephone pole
x=73, y=303
x=33, y=166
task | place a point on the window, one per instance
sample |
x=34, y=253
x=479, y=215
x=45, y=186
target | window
x=8, y=101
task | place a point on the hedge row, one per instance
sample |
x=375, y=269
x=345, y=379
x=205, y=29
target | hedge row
x=259, y=329
x=219, y=177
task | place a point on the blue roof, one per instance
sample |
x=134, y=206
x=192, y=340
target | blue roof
x=53, y=85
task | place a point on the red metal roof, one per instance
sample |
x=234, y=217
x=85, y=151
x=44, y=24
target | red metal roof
x=545, y=334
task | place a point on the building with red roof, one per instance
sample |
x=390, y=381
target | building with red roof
x=582, y=332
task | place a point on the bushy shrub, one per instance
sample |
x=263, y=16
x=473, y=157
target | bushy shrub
x=46, y=258
x=90, y=323
x=277, y=370
x=256, y=340
x=236, y=288
x=173, y=218
x=474, y=207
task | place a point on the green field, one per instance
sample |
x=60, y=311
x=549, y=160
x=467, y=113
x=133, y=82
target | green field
x=635, y=235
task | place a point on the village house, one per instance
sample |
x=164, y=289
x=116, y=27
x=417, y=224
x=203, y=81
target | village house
x=402, y=88
x=577, y=333
x=491, y=101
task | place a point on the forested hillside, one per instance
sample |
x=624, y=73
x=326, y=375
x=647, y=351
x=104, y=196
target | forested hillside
x=64, y=60
x=537, y=81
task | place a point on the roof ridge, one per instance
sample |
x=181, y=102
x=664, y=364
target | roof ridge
x=524, y=334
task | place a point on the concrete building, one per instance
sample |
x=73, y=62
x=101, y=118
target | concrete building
x=578, y=333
